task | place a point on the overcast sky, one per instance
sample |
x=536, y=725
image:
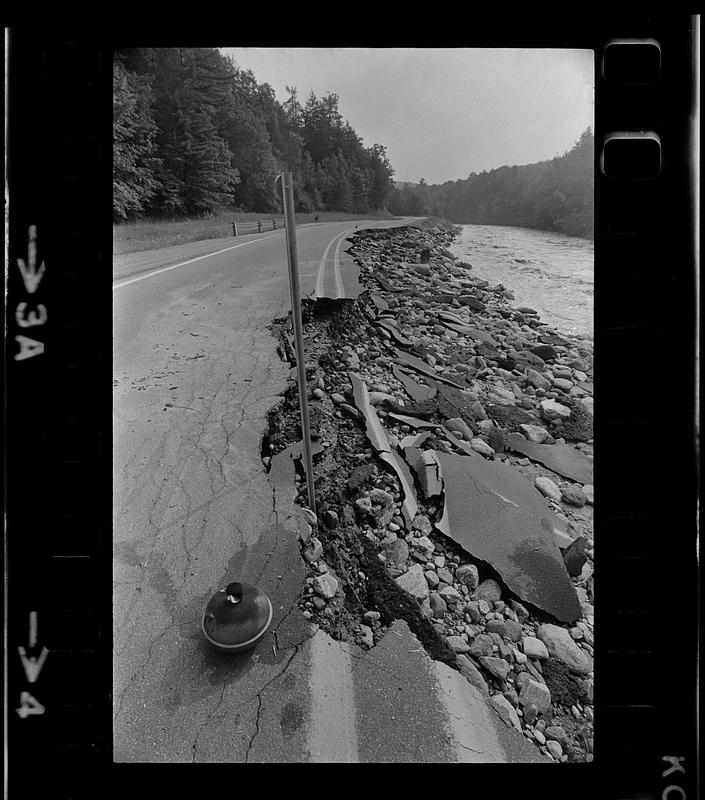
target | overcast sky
x=443, y=113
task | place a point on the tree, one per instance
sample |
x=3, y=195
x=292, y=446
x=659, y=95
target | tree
x=135, y=164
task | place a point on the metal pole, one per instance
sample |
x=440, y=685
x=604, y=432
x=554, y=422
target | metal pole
x=293, y=262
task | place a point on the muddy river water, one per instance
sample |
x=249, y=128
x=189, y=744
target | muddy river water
x=547, y=271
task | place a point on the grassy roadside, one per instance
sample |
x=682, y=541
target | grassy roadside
x=132, y=237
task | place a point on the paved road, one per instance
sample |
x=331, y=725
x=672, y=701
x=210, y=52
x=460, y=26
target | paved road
x=195, y=372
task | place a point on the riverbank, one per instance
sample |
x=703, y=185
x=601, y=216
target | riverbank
x=433, y=402
x=152, y=234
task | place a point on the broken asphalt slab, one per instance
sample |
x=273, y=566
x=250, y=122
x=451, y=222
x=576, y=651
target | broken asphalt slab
x=495, y=515
x=559, y=458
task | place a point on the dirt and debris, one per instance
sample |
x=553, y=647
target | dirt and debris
x=427, y=363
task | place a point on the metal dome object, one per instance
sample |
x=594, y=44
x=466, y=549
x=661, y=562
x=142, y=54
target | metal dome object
x=237, y=617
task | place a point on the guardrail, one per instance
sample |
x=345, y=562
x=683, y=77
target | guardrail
x=243, y=228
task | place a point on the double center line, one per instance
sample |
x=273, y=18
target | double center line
x=339, y=288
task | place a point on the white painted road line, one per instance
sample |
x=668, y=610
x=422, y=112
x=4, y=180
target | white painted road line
x=336, y=266
x=322, y=267
x=120, y=284
x=332, y=734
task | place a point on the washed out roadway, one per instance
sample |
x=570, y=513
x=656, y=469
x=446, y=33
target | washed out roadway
x=195, y=371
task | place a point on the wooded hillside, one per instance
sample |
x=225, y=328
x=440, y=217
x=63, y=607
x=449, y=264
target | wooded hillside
x=554, y=195
x=194, y=132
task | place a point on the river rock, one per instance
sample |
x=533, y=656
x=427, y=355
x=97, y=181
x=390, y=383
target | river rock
x=414, y=582
x=538, y=694
x=537, y=380
x=497, y=667
x=480, y=446
x=396, y=551
x=534, y=648
x=560, y=645
x=574, y=556
x=458, y=644
x=547, y=488
x=481, y=646
x=573, y=496
x=534, y=433
x=314, y=550
x=489, y=590
x=325, y=585
x=438, y=605
x=551, y=410
x=467, y=574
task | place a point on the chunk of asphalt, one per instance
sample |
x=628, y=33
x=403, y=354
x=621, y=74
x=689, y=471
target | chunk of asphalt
x=496, y=516
x=425, y=464
x=421, y=366
x=416, y=391
x=559, y=458
x=379, y=441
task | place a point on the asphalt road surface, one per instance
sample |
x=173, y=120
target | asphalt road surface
x=195, y=371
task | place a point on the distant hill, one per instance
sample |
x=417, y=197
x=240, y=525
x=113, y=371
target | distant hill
x=555, y=195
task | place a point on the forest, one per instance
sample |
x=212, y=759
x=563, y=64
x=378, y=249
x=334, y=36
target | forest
x=554, y=195
x=192, y=133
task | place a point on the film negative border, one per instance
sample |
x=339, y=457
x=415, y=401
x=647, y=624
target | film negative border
x=58, y=450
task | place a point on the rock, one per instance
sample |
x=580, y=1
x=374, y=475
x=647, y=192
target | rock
x=513, y=630
x=495, y=626
x=537, y=380
x=445, y=575
x=554, y=749
x=472, y=673
x=574, y=496
x=414, y=582
x=538, y=694
x=556, y=733
x=534, y=433
x=363, y=507
x=512, y=696
x=467, y=574
x=396, y=551
x=497, y=667
x=589, y=492
x=500, y=396
x=451, y=595
x=481, y=447
x=314, y=550
x=534, y=648
x=337, y=398
x=424, y=544
x=330, y=518
x=432, y=578
x=325, y=585
x=361, y=475
x=473, y=611
x=551, y=409
x=422, y=523
x=458, y=644
x=538, y=735
x=489, y=590
x=438, y=605
x=366, y=636
x=373, y=616
x=574, y=556
x=562, y=647
x=544, y=351
x=506, y=711
x=547, y=488
x=481, y=646
x=460, y=428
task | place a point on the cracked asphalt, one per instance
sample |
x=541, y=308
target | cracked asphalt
x=195, y=371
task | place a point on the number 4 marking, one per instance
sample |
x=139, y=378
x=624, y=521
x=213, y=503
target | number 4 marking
x=29, y=706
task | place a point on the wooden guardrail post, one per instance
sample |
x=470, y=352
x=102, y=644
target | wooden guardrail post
x=234, y=228
x=259, y=226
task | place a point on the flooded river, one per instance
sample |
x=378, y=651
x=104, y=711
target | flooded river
x=547, y=271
